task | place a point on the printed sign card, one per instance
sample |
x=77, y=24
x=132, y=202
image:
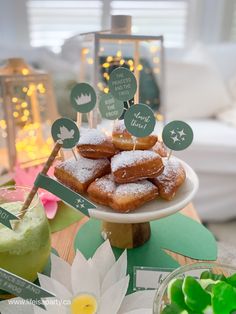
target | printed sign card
x=139, y=120
x=83, y=97
x=23, y=288
x=110, y=107
x=122, y=84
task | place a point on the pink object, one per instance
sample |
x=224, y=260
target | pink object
x=26, y=177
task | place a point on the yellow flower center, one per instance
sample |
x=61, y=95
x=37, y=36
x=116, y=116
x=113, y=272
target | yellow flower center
x=84, y=304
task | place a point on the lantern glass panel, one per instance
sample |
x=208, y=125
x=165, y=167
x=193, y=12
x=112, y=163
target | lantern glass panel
x=143, y=55
x=27, y=108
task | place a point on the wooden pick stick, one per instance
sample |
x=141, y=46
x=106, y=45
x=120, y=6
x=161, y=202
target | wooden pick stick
x=134, y=142
x=74, y=154
x=34, y=190
x=170, y=153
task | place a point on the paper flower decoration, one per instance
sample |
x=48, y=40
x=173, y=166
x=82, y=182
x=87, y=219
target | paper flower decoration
x=26, y=177
x=94, y=286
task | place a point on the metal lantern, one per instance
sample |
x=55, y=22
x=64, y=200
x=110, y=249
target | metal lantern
x=102, y=52
x=27, y=107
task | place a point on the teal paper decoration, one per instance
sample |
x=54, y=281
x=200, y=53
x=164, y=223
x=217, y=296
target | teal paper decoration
x=177, y=135
x=139, y=120
x=122, y=84
x=110, y=107
x=83, y=97
x=6, y=217
x=65, y=132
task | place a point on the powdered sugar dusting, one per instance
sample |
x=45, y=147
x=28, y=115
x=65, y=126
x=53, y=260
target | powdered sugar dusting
x=119, y=126
x=92, y=136
x=128, y=158
x=171, y=167
x=83, y=169
x=136, y=188
x=106, y=183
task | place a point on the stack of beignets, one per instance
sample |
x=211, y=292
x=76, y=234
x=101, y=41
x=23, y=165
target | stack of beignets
x=123, y=180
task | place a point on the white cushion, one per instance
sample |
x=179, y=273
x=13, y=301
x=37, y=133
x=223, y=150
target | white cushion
x=213, y=156
x=213, y=149
x=194, y=91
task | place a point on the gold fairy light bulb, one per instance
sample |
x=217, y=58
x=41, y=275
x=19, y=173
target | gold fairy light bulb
x=119, y=53
x=106, y=65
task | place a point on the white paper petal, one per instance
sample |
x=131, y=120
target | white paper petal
x=140, y=311
x=60, y=271
x=118, y=271
x=113, y=297
x=137, y=300
x=103, y=258
x=55, y=287
x=7, y=308
x=84, y=277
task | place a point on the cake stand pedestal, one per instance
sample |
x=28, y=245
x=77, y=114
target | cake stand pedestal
x=126, y=236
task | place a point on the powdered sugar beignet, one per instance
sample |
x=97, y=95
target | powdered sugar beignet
x=101, y=190
x=171, y=178
x=121, y=197
x=123, y=140
x=95, y=144
x=78, y=174
x=130, y=166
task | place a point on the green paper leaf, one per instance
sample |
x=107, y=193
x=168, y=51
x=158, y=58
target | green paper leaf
x=196, y=242
x=148, y=255
x=65, y=217
x=224, y=298
x=183, y=235
x=196, y=298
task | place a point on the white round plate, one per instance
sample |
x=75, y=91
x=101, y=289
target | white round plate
x=155, y=209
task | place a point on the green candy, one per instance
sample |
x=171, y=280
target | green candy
x=173, y=309
x=209, y=275
x=175, y=293
x=231, y=280
x=196, y=298
x=224, y=298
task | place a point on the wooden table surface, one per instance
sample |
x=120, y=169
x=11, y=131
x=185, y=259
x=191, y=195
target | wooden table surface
x=63, y=241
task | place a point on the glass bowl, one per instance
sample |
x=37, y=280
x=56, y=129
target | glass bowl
x=195, y=270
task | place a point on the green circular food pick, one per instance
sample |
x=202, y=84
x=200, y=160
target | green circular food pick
x=66, y=132
x=139, y=120
x=122, y=84
x=177, y=135
x=83, y=97
x=110, y=107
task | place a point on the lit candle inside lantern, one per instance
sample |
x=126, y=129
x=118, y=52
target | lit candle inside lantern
x=84, y=304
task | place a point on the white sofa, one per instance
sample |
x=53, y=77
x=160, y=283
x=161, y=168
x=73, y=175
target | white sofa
x=201, y=88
